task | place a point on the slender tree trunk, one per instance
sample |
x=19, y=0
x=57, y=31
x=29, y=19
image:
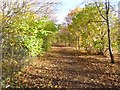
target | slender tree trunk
x=78, y=43
x=69, y=40
x=109, y=43
x=106, y=18
x=108, y=29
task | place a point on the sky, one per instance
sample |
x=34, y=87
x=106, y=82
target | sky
x=67, y=5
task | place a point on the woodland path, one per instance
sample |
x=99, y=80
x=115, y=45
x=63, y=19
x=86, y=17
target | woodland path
x=65, y=67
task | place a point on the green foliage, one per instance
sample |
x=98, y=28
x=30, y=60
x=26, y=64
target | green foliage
x=87, y=29
x=24, y=36
x=47, y=32
x=33, y=44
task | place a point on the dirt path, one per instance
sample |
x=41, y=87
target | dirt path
x=64, y=67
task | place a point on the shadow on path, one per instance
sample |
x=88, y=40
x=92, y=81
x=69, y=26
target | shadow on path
x=65, y=67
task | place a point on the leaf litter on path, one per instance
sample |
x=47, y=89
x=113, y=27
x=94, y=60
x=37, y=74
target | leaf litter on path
x=67, y=68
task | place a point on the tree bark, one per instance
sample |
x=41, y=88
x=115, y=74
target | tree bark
x=109, y=43
x=106, y=18
x=108, y=29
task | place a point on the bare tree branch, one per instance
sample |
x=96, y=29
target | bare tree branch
x=100, y=11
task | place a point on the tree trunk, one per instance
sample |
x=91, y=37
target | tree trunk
x=106, y=18
x=109, y=42
x=78, y=43
x=108, y=29
x=69, y=40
